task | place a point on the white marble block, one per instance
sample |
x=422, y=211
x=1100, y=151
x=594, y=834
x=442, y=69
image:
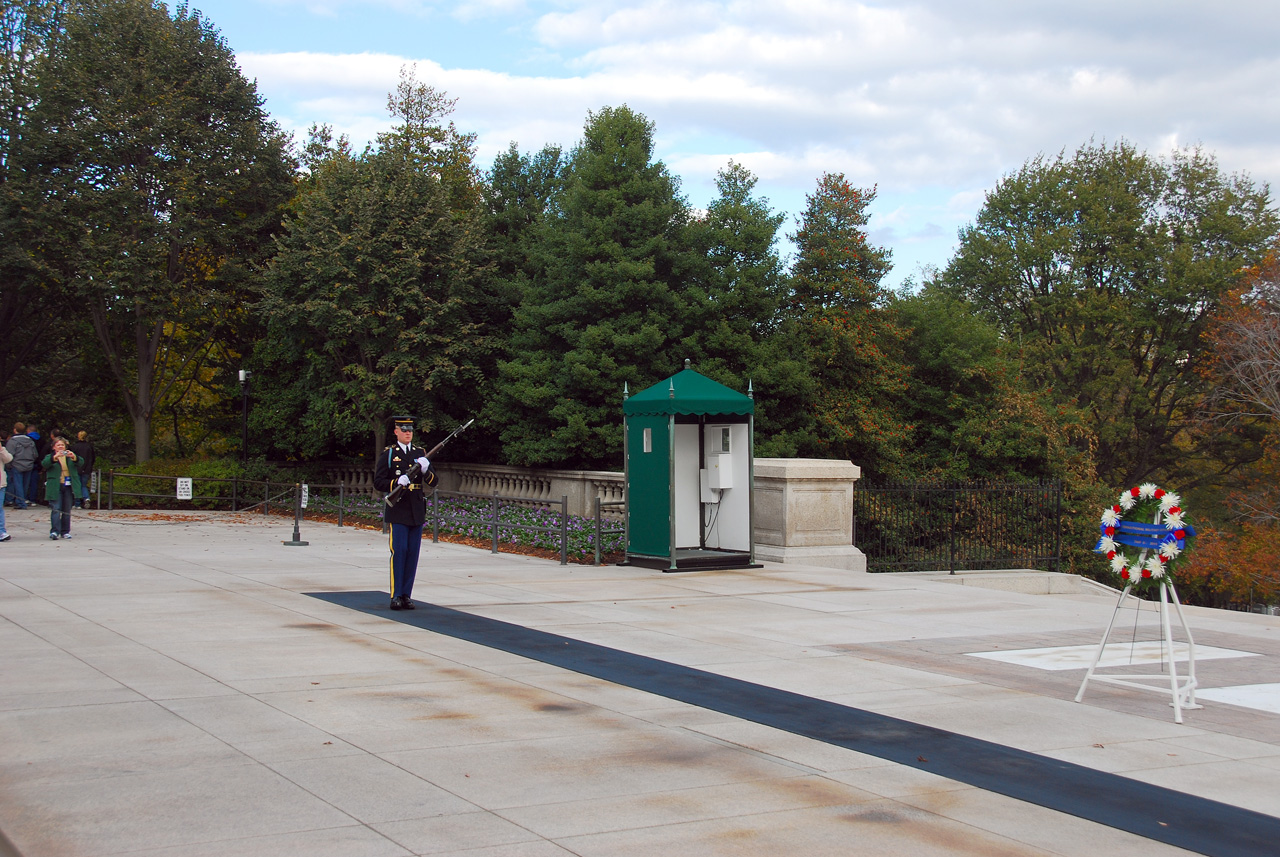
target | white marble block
x=804, y=512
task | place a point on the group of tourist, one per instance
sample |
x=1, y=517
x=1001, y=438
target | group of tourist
x=53, y=471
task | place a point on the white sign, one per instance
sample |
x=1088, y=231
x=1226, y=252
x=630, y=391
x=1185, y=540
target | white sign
x=184, y=487
x=305, y=495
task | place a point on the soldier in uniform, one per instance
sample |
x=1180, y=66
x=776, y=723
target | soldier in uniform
x=407, y=516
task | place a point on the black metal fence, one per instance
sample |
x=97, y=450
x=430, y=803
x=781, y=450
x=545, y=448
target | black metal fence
x=231, y=495
x=969, y=526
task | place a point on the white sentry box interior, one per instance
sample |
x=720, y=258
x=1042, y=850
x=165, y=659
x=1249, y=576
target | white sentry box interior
x=729, y=520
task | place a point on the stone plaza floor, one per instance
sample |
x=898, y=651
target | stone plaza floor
x=187, y=685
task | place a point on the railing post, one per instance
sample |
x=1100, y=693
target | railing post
x=564, y=529
x=111, y=490
x=235, y=492
x=342, y=500
x=1057, y=527
x=954, y=523
x=597, y=562
x=435, y=516
x=495, y=522
x=266, y=497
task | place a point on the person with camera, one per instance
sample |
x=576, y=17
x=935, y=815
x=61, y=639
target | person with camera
x=61, y=488
x=405, y=466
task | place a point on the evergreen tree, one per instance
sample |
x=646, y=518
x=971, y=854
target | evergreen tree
x=735, y=294
x=518, y=194
x=606, y=307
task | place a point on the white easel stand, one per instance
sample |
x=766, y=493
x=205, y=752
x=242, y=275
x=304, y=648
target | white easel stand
x=1184, y=694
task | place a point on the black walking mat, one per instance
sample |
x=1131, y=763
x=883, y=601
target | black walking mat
x=1164, y=815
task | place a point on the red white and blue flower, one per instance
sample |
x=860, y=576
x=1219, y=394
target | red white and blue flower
x=1162, y=540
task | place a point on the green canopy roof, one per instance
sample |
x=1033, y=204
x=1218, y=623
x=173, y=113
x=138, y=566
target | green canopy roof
x=688, y=392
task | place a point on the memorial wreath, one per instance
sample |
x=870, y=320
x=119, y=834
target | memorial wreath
x=1163, y=540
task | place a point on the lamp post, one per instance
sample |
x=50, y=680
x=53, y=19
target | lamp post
x=244, y=414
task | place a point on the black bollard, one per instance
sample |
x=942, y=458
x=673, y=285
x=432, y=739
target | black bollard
x=297, y=517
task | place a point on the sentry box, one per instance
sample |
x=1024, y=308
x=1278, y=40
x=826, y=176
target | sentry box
x=690, y=476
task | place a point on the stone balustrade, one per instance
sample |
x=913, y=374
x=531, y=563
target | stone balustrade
x=357, y=477
x=580, y=486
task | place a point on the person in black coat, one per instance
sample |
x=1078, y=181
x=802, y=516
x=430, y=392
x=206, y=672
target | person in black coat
x=396, y=467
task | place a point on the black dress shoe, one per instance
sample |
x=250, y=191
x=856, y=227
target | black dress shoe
x=397, y=603
x=406, y=604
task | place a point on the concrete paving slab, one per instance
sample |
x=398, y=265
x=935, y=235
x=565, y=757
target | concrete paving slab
x=858, y=830
x=175, y=688
x=370, y=789
x=635, y=812
x=123, y=813
x=1032, y=825
x=354, y=840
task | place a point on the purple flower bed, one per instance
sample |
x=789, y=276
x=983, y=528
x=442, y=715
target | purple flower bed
x=518, y=524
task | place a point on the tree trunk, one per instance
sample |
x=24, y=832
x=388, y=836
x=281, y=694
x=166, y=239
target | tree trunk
x=146, y=342
x=142, y=437
x=379, y=438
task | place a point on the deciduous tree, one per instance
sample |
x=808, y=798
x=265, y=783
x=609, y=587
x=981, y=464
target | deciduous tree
x=1245, y=348
x=1104, y=267
x=372, y=298
x=33, y=294
x=168, y=179
x=972, y=412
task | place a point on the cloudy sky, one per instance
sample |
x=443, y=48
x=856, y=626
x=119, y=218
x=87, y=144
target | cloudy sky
x=931, y=101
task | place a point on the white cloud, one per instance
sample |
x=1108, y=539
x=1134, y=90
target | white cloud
x=930, y=98
x=469, y=10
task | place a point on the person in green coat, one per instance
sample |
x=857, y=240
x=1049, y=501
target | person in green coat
x=61, y=488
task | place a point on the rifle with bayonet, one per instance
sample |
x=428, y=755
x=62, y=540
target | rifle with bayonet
x=416, y=471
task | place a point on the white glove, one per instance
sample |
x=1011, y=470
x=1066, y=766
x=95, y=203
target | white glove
x=402, y=481
x=423, y=463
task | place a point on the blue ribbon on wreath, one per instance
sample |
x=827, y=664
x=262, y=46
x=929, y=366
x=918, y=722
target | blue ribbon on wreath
x=1145, y=536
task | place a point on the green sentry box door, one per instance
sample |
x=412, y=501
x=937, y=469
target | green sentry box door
x=649, y=499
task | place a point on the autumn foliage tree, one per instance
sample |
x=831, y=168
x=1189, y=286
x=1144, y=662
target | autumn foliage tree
x=837, y=317
x=1235, y=560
